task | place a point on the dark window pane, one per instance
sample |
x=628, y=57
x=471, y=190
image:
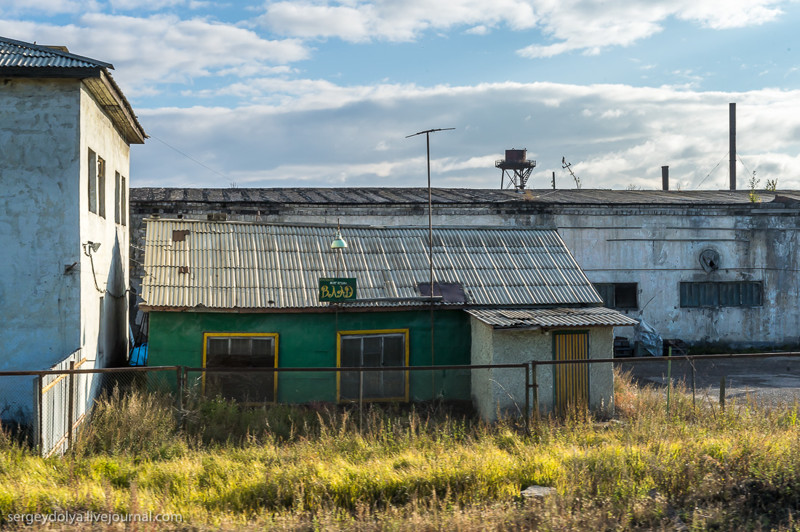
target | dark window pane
x=394, y=353
x=730, y=294
x=216, y=351
x=351, y=352
x=625, y=295
x=606, y=291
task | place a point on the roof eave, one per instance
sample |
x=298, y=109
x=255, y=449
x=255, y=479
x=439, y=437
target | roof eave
x=110, y=97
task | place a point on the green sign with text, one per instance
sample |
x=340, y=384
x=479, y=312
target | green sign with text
x=337, y=289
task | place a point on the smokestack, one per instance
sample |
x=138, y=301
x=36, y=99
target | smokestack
x=732, y=122
x=665, y=178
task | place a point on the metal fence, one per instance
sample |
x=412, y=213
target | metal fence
x=63, y=396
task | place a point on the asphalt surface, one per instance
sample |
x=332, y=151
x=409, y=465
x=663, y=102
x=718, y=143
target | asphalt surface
x=772, y=380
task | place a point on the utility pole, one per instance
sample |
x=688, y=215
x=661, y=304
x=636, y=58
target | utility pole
x=427, y=134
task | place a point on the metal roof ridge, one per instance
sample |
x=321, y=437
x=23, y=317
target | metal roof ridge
x=53, y=51
x=350, y=226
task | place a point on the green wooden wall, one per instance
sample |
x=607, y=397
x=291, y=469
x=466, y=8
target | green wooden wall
x=309, y=340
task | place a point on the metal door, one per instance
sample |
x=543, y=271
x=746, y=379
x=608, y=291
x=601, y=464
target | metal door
x=571, y=386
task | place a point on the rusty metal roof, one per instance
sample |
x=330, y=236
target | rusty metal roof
x=240, y=265
x=551, y=317
x=460, y=196
x=19, y=54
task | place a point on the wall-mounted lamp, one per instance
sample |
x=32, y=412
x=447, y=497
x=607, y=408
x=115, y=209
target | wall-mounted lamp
x=90, y=247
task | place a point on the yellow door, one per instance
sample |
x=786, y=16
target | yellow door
x=571, y=384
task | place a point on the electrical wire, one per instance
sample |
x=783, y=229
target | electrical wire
x=94, y=278
x=711, y=172
x=190, y=157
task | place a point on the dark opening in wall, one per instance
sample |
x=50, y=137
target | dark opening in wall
x=619, y=295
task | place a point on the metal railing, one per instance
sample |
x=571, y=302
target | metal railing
x=63, y=395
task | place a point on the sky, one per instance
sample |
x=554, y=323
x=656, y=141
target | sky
x=323, y=93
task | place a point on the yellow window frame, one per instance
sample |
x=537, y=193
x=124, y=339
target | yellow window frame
x=208, y=335
x=370, y=332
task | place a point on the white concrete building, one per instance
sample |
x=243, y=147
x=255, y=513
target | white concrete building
x=65, y=136
x=706, y=267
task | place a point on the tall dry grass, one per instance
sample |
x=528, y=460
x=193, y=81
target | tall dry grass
x=321, y=467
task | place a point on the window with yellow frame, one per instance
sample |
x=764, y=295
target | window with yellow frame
x=240, y=352
x=372, y=348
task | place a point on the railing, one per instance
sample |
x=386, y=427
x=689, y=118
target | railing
x=64, y=395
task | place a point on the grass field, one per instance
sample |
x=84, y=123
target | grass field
x=311, y=468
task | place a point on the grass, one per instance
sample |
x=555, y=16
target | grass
x=308, y=468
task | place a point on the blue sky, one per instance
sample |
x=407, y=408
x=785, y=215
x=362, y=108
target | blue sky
x=323, y=92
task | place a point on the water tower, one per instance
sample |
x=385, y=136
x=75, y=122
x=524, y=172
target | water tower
x=518, y=166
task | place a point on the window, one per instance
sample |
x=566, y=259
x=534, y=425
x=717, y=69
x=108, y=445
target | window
x=618, y=295
x=97, y=184
x=241, y=351
x=92, y=182
x=101, y=187
x=120, y=199
x=123, y=204
x=721, y=294
x=369, y=349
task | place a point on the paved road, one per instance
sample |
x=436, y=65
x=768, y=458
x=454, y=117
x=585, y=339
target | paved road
x=771, y=380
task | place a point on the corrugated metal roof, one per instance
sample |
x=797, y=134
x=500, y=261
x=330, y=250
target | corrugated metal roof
x=19, y=54
x=551, y=317
x=456, y=196
x=238, y=265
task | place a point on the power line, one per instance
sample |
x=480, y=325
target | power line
x=190, y=157
x=712, y=171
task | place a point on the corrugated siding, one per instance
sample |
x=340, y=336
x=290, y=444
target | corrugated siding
x=571, y=380
x=557, y=317
x=19, y=54
x=241, y=265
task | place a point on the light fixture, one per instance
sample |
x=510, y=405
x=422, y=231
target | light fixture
x=91, y=247
x=338, y=242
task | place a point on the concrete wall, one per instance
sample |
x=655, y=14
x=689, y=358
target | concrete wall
x=39, y=229
x=104, y=284
x=49, y=304
x=656, y=246
x=498, y=392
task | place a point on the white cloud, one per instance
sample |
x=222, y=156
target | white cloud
x=15, y=7
x=320, y=134
x=145, y=5
x=587, y=26
x=162, y=48
x=391, y=20
x=590, y=26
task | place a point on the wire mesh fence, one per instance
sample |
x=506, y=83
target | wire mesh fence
x=53, y=404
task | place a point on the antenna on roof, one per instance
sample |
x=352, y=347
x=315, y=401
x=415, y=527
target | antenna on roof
x=567, y=166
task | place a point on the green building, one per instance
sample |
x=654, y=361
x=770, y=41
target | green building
x=248, y=295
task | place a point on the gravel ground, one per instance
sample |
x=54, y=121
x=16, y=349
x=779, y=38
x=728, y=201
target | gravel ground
x=766, y=380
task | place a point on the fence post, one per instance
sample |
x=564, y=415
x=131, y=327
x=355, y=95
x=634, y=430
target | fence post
x=37, y=395
x=694, y=406
x=179, y=376
x=722, y=393
x=361, y=400
x=527, y=399
x=669, y=377
x=535, y=391
x=70, y=402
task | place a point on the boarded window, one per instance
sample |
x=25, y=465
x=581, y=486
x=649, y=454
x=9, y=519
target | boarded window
x=92, y=181
x=619, y=295
x=721, y=294
x=101, y=187
x=123, y=202
x=240, y=353
x=373, y=351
